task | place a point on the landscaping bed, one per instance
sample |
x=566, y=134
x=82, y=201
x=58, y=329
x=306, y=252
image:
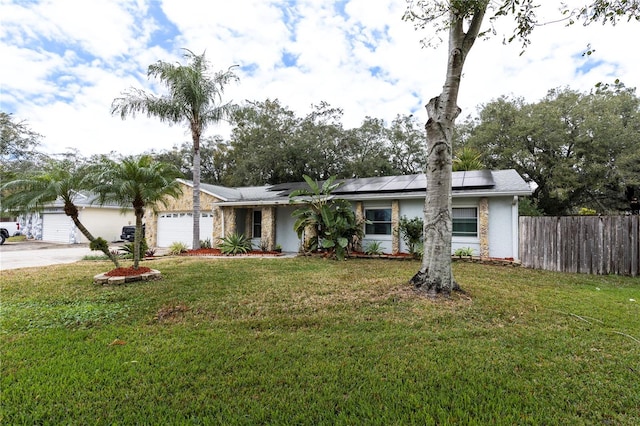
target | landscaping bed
x=218, y=252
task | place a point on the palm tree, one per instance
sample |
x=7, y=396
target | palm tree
x=334, y=223
x=467, y=159
x=138, y=182
x=194, y=98
x=59, y=179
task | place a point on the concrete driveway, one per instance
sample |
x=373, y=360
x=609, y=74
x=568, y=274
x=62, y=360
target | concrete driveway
x=26, y=254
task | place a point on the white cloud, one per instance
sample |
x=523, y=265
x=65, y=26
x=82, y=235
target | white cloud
x=70, y=58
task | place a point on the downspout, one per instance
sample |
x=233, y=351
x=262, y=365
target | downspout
x=515, y=229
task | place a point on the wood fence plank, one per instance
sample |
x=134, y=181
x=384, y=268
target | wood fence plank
x=595, y=245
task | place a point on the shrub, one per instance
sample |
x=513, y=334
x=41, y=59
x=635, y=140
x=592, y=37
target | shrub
x=205, y=243
x=128, y=248
x=411, y=231
x=177, y=247
x=373, y=248
x=463, y=251
x=235, y=244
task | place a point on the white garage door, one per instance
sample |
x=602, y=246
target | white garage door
x=178, y=227
x=57, y=228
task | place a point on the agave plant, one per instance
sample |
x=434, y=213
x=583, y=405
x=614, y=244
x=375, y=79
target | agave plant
x=235, y=244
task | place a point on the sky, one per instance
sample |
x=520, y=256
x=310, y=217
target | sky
x=64, y=61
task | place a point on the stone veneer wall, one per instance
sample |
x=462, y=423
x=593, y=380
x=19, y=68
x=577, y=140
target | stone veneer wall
x=230, y=217
x=483, y=226
x=359, y=211
x=395, y=230
x=268, y=235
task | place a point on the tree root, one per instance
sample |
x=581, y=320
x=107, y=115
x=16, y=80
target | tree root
x=433, y=287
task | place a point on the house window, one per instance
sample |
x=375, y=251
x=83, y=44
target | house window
x=379, y=221
x=257, y=224
x=465, y=222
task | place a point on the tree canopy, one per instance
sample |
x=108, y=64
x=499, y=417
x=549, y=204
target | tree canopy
x=580, y=149
x=271, y=144
x=18, y=147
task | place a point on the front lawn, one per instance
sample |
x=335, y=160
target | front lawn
x=312, y=341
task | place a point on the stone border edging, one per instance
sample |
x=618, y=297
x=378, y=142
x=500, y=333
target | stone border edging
x=103, y=279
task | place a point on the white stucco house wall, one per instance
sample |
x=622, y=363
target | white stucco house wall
x=102, y=221
x=485, y=212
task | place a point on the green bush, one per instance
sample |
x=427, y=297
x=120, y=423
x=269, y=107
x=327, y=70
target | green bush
x=373, y=248
x=235, y=244
x=205, y=243
x=463, y=251
x=177, y=248
x=411, y=231
x=129, y=247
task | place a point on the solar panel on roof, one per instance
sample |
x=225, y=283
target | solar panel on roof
x=478, y=179
x=473, y=179
x=420, y=182
x=349, y=185
x=398, y=183
x=373, y=184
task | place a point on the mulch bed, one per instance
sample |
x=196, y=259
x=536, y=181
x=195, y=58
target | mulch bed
x=217, y=252
x=401, y=256
x=128, y=272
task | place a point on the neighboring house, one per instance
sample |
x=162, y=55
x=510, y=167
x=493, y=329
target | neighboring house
x=101, y=221
x=485, y=212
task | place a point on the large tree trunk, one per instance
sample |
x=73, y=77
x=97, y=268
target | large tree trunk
x=435, y=275
x=137, y=239
x=196, y=199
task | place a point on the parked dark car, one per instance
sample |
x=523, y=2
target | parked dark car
x=4, y=234
x=129, y=233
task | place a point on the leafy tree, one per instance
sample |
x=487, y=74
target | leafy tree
x=462, y=20
x=407, y=145
x=194, y=98
x=140, y=182
x=262, y=144
x=59, y=179
x=324, y=139
x=333, y=220
x=581, y=150
x=214, y=152
x=270, y=144
x=367, y=150
x=18, y=148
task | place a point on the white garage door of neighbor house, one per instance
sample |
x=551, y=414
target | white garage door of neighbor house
x=178, y=227
x=56, y=228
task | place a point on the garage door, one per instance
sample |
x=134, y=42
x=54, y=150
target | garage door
x=57, y=228
x=178, y=227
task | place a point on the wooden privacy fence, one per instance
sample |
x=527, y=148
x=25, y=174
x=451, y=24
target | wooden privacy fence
x=585, y=244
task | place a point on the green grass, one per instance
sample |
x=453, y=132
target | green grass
x=310, y=341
